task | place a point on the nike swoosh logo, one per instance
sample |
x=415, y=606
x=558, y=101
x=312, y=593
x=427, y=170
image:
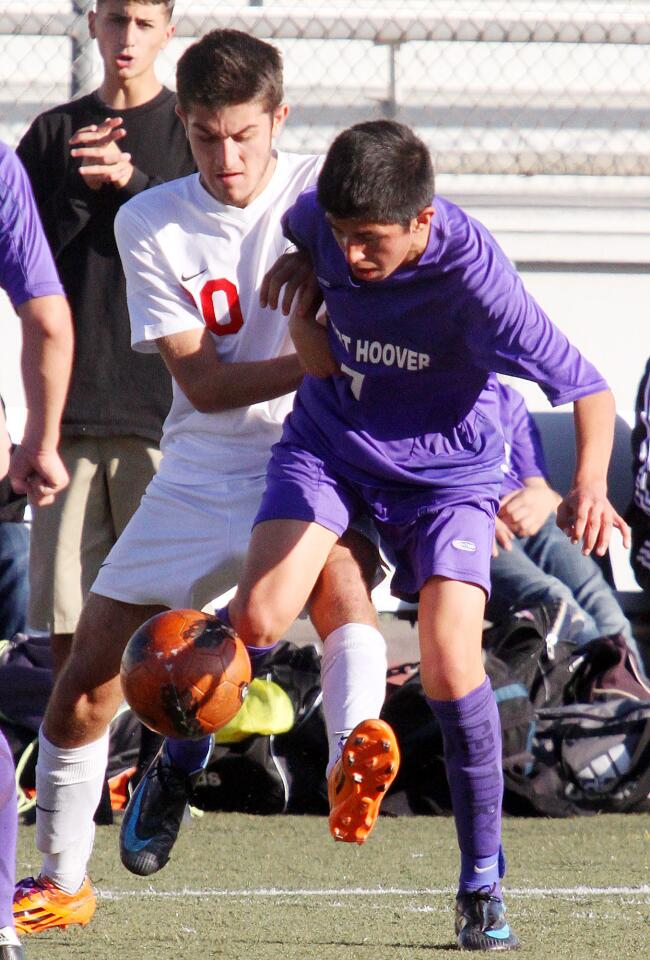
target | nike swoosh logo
x=490, y=866
x=191, y=276
x=44, y=809
x=131, y=840
x=501, y=934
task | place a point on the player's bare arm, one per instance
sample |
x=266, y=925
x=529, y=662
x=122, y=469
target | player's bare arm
x=294, y=272
x=309, y=335
x=102, y=161
x=525, y=511
x=585, y=514
x=212, y=386
x=36, y=468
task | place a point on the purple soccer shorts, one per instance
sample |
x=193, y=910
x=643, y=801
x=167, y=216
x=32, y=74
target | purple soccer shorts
x=424, y=531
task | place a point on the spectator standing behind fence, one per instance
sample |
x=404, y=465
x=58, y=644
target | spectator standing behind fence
x=29, y=277
x=534, y=562
x=639, y=512
x=86, y=159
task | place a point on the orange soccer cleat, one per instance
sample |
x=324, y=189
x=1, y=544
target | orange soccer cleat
x=360, y=778
x=40, y=905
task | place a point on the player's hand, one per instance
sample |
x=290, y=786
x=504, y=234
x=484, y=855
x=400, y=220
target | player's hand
x=503, y=537
x=310, y=340
x=526, y=510
x=38, y=473
x=295, y=273
x=586, y=515
x=102, y=161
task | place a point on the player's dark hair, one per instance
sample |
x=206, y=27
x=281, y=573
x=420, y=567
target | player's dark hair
x=378, y=171
x=169, y=4
x=228, y=67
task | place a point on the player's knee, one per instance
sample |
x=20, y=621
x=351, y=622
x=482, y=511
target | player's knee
x=447, y=677
x=257, y=622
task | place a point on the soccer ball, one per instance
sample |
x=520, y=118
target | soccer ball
x=185, y=673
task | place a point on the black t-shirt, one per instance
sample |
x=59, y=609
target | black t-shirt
x=114, y=391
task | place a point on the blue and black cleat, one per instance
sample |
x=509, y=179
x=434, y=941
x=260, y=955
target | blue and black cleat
x=481, y=922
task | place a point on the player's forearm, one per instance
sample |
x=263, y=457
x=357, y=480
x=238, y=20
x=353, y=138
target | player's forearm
x=312, y=346
x=46, y=365
x=232, y=385
x=594, y=418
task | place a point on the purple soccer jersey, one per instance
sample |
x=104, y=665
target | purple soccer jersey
x=27, y=268
x=417, y=402
x=524, y=453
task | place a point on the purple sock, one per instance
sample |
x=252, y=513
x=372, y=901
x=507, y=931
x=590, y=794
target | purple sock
x=472, y=737
x=255, y=653
x=8, y=833
x=188, y=756
x=222, y=614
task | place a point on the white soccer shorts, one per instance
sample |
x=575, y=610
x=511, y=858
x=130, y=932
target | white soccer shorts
x=184, y=546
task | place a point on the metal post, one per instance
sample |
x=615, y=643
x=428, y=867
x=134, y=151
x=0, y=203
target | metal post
x=389, y=105
x=81, y=51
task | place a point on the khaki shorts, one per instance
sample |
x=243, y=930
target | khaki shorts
x=70, y=538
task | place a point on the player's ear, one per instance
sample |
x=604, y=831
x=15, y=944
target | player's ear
x=280, y=115
x=182, y=116
x=170, y=30
x=423, y=219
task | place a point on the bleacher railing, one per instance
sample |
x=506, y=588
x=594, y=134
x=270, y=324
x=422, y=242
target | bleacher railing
x=498, y=87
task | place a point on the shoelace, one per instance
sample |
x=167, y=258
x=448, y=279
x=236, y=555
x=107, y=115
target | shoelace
x=31, y=886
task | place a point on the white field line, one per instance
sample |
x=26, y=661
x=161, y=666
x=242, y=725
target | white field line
x=271, y=893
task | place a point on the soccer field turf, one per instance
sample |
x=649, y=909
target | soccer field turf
x=278, y=888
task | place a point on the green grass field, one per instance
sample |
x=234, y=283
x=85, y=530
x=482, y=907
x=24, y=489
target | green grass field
x=278, y=888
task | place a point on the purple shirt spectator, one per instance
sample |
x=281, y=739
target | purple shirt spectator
x=27, y=268
x=524, y=453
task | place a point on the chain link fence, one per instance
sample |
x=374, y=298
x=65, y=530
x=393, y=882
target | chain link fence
x=493, y=87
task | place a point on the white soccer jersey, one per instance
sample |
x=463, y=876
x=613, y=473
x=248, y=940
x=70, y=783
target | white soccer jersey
x=193, y=262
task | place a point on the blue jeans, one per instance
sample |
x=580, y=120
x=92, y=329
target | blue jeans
x=14, y=578
x=546, y=567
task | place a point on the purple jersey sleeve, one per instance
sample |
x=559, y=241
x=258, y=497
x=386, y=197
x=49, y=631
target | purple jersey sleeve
x=524, y=452
x=506, y=330
x=27, y=268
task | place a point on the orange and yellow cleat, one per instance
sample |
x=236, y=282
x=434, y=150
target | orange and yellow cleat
x=359, y=780
x=40, y=905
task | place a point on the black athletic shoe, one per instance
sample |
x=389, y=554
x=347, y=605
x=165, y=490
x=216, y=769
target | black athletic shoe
x=154, y=815
x=481, y=922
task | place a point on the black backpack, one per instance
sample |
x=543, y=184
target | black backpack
x=421, y=784
x=280, y=773
x=591, y=748
x=589, y=758
x=567, y=712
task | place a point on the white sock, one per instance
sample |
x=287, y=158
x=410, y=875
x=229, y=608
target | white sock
x=353, y=678
x=8, y=937
x=69, y=786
